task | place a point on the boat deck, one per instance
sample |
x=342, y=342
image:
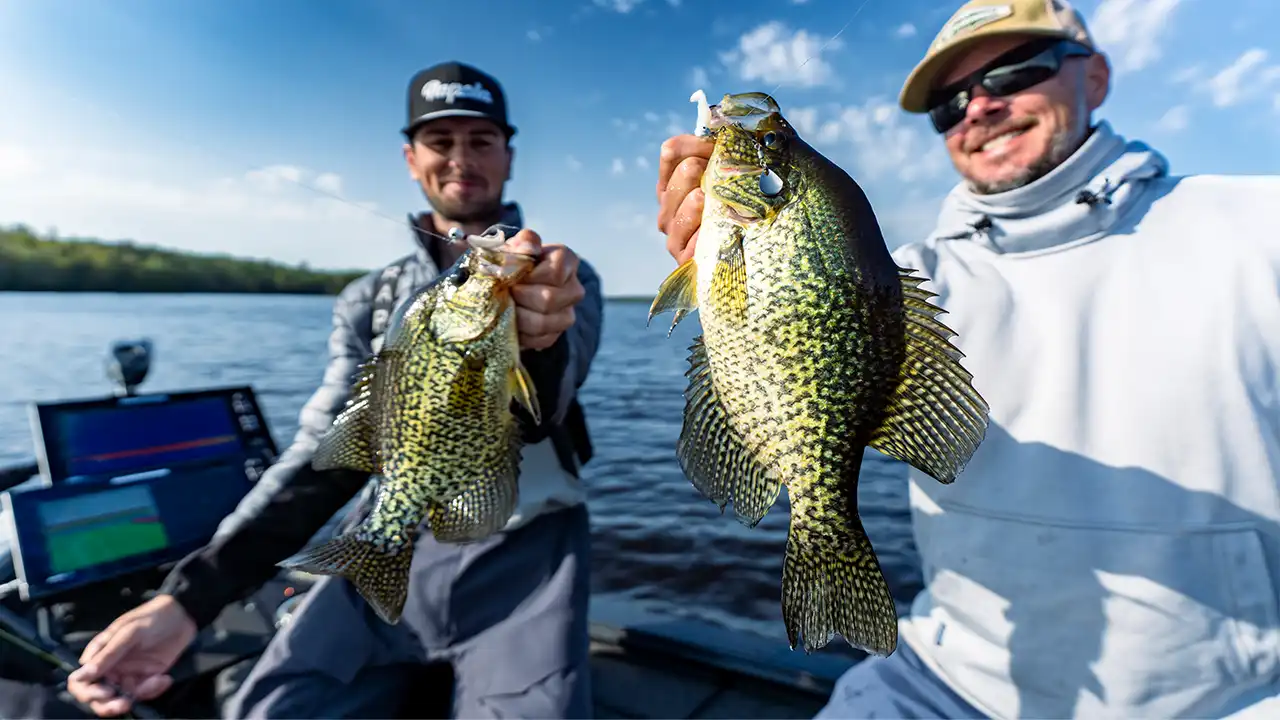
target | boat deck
x=627, y=687
x=646, y=667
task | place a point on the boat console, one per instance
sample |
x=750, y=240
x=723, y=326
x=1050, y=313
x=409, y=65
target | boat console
x=128, y=485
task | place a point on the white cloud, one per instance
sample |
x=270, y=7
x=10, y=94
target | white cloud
x=880, y=145
x=1175, y=119
x=618, y=166
x=1131, y=31
x=619, y=6
x=772, y=53
x=677, y=125
x=905, y=30
x=280, y=211
x=1245, y=75
x=698, y=78
x=642, y=162
x=626, y=127
x=1249, y=77
x=329, y=182
x=574, y=163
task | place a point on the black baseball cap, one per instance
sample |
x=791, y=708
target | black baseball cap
x=454, y=89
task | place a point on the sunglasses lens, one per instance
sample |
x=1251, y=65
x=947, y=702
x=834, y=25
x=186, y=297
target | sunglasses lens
x=946, y=115
x=1009, y=81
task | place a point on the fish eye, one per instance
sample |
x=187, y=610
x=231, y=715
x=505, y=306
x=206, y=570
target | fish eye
x=771, y=139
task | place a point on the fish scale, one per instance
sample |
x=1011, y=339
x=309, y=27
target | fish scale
x=432, y=414
x=815, y=345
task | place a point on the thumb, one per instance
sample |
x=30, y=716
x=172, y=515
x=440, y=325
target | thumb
x=526, y=242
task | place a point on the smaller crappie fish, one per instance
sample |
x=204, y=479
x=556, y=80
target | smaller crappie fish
x=815, y=345
x=432, y=413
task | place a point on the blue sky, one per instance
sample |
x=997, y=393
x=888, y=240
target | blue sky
x=174, y=123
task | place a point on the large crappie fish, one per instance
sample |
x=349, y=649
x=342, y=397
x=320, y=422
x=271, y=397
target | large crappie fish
x=814, y=345
x=432, y=413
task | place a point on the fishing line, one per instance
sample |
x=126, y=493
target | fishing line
x=828, y=42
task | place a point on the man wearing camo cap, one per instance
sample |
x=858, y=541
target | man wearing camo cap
x=1113, y=547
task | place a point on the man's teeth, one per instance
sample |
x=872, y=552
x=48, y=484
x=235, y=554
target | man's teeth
x=998, y=141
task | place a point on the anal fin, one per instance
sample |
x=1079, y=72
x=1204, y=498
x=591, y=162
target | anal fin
x=711, y=453
x=935, y=418
x=477, y=513
x=678, y=292
x=379, y=571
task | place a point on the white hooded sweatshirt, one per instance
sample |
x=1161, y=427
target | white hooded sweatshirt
x=1113, y=547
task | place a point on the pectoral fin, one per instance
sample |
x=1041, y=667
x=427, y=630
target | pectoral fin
x=523, y=392
x=936, y=419
x=729, y=282
x=679, y=292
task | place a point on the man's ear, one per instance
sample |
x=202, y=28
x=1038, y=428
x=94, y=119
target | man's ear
x=408, y=160
x=511, y=156
x=1097, y=80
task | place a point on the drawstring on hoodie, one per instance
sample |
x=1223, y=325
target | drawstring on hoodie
x=1102, y=195
x=981, y=225
x=1092, y=198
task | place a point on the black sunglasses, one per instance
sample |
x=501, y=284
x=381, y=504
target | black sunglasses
x=1010, y=73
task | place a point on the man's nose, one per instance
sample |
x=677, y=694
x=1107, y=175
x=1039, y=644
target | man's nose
x=462, y=155
x=982, y=104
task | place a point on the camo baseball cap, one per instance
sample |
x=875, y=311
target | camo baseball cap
x=977, y=20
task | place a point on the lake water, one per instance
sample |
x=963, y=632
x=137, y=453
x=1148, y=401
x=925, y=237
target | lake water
x=656, y=541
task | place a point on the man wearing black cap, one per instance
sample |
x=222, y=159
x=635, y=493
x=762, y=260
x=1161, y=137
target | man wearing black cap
x=510, y=612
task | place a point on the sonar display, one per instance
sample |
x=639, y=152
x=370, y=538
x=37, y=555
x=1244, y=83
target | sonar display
x=102, y=527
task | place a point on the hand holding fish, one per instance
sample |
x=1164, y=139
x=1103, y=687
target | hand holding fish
x=546, y=297
x=680, y=198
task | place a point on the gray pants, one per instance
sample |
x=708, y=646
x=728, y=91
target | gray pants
x=510, y=614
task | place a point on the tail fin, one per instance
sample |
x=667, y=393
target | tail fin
x=832, y=583
x=380, y=573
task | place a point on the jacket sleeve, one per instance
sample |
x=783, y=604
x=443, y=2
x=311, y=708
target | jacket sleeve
x=288, y=504
x=558, y=371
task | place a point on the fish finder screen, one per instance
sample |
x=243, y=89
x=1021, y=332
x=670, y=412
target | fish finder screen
x=126, y=439
x=76, y=534
x=99, y=528
x=119, y=437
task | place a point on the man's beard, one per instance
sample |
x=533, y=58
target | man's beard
x=475, y=211
x=1061, y=145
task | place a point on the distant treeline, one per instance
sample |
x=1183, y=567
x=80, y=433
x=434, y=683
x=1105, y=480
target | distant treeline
x=30, y=262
